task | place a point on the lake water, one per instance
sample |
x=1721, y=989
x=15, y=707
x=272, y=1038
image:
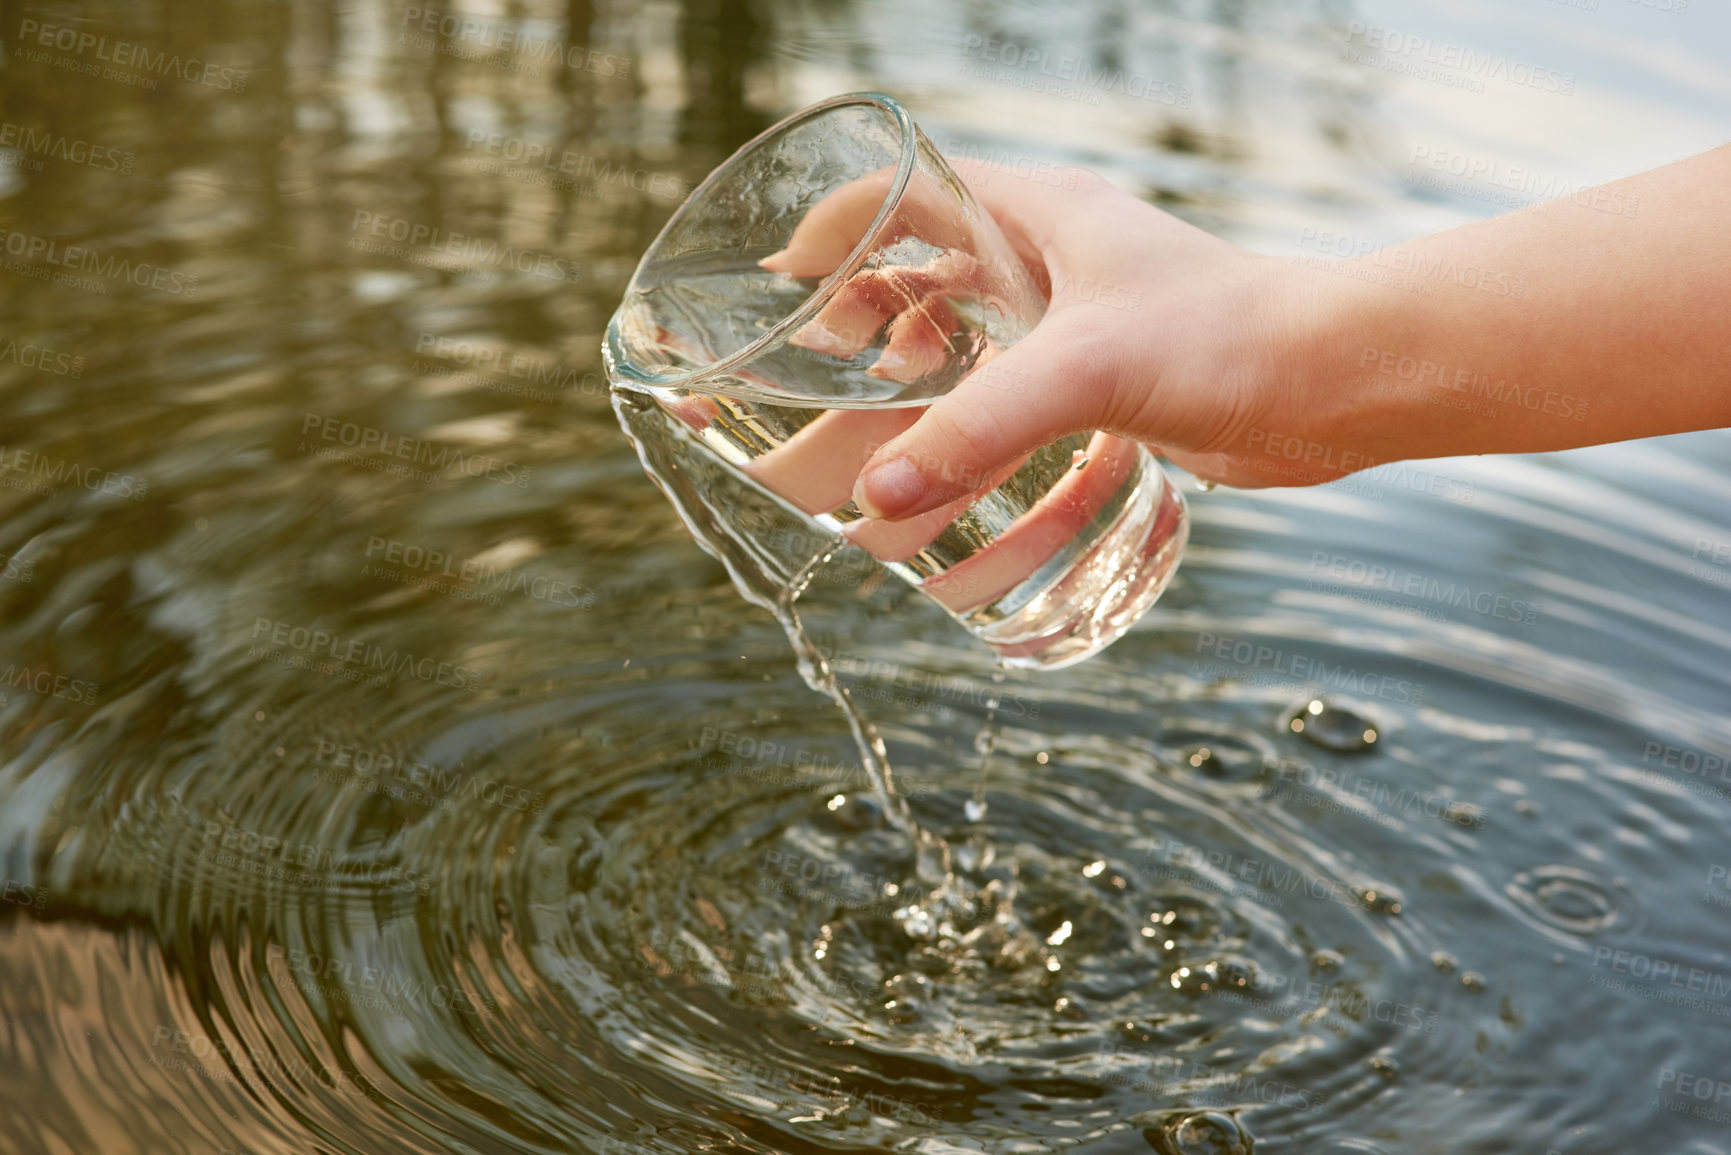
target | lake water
x=385, y=769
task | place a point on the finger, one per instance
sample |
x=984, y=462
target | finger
x=921, y=342
x=923, y=332
x=1056, y=381
x=832, y=227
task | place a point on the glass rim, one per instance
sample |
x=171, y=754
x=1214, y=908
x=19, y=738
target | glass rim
x=619, y=365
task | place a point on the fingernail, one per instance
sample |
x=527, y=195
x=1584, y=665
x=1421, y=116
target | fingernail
x=890, y=490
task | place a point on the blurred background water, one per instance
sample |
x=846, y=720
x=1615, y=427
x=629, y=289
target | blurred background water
x=386, y=770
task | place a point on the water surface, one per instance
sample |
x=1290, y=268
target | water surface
x=385, y=769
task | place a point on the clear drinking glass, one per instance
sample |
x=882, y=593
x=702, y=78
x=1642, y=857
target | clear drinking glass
x=793, y=357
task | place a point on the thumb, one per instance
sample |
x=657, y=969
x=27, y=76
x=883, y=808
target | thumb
x=1053, y=382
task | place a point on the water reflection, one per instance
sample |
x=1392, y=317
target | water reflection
x=385, y=769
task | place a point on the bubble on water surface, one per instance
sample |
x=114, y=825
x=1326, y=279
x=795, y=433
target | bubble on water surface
x=1199, y=1133
x=1566, y=898
x=1333, y=727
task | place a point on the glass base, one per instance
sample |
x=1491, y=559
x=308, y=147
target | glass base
x=1073, y=615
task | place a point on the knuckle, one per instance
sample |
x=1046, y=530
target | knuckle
x=974, y=439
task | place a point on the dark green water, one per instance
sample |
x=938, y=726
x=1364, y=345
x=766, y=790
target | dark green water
x=382, y=768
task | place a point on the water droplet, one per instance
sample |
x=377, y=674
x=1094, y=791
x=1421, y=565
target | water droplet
x=1042, y=757
x=1473, y=981
x=1385, y=1066
x=1219, y=753
x=917, y=922
x=855, y=811
x=1204, y=485
x=1328, y=960
x=1234, y=973
x=1565, y=897
x=1380, y=899
x=1197, y=979
x=1333, y=727
x=1443, y=961
x=1069, y=1008
x=975, y=809
x=1198, y=1133
x=974, y=854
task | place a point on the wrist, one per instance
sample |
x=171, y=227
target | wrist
x=1333, y=329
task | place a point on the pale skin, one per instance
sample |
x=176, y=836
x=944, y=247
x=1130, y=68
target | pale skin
x=1254, y=370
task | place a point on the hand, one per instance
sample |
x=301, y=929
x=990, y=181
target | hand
x=1156, y=331
x=1253, y=370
